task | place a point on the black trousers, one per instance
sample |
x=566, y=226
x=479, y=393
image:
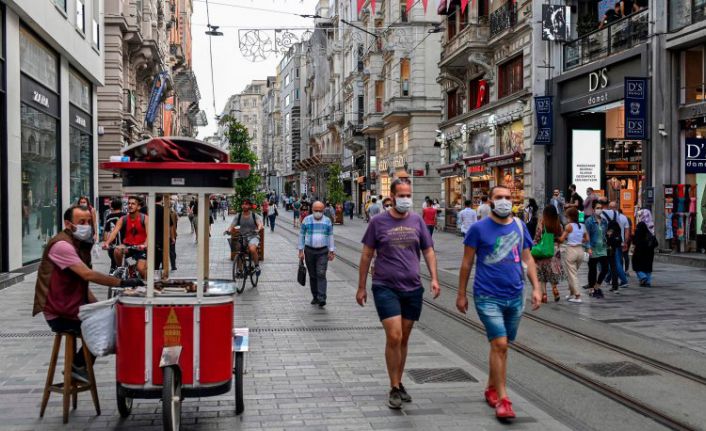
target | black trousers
x=61, y=324
x=607, y=265
x=317, y=264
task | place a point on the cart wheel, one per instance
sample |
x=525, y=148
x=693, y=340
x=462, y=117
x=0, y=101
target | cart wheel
x=242, y=274
x=124, y=404
x=171, y=399
x=239, y=403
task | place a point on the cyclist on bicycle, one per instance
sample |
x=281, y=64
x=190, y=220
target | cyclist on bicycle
x=133, y=230
x=249, y=224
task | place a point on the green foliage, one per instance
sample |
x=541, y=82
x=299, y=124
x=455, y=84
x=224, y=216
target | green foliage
x=240, y=152
x=335, y=185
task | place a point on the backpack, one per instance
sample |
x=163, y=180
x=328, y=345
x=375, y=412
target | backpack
x=613, y=235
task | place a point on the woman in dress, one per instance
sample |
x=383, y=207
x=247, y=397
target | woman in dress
x=645, y=243
x=550, y=270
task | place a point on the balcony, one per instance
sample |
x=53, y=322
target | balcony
x=474, y=36
x=619, y=36
x=373, y=123
x=503, y=18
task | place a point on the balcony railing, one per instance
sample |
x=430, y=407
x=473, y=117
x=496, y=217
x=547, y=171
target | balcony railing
x=619, y=36
x=503, y=18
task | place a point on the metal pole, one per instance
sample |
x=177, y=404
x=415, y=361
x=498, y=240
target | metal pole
x=151, y=223
x=201, y=234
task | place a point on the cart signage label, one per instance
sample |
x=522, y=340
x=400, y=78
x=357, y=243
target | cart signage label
x=241, y=339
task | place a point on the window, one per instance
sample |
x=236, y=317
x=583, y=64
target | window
x=79, y=91
x=296, y=94
x=80, y=137
x=287, y=122
x=403, y=13
x=61, y=4
x=296, y=72
x=397, y=142
x=381, y=144
x=405, y=138
x=453, y=104
x=286, y=100
x=477, y=93
x=693, y=76
x=404, y=77
x=286, y=80
x=379, y=94
x=511, y=79
x=483, y=8
x=37, y=61
x=81, y=15
x=95, y=30
x=361, y=108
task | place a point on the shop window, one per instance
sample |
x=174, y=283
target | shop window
x=404, y=77
x=379, y=95
x=477, y=93
x=453, y=104
x=81, y=163
x=693, y=90
x=38, y=61
x=510, y=77
x=81, y=15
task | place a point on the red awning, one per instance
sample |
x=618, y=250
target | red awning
x=475, y=159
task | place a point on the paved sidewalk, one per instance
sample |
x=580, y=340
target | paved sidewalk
x=309, y=369
x=672, y=310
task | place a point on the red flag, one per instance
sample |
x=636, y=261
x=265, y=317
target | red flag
x=424, y=3
x=360, y=5
x=410, y=3
x=482, y=88
x=372, y=6
x=464, y=4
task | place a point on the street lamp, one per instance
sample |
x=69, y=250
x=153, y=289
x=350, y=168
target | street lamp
x=213, y=30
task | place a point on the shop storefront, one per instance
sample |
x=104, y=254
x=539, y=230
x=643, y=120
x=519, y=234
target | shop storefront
x=40, y=143
x=599, y=151
x=3, y=146
x=478, y=176
x=685, y=204
x=453, y=178
x=508, y=170
x=80, y=137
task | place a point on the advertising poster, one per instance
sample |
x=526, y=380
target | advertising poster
x=555, y=22
x=586, y=159
x=700, y=204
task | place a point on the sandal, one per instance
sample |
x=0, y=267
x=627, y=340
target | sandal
x=557, y=296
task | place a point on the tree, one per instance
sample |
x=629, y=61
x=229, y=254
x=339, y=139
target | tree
x=335, y=185
x=240, y=152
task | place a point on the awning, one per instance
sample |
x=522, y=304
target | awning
x=504, y=160
x=451, y=170
x=475, y=160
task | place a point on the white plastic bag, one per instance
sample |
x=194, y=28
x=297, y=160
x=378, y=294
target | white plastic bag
x=98, y=326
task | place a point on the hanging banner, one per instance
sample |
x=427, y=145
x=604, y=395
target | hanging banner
x=545, y=112
x=635, y=108
x=360, y=5
x=160, y=81
x=695, y=155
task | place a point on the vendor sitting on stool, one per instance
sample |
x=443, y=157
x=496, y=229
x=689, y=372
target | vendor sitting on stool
x=63, y=276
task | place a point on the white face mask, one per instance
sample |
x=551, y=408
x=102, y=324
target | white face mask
x=599, y=212
x=402, y=205
x=83, y=232
x=318, y=215
x=502, y=208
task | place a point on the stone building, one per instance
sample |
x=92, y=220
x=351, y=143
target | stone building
x=290, y=76
x=148, y=46
x=246, y=107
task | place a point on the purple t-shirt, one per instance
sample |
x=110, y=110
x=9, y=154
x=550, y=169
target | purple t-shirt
x=398, y=243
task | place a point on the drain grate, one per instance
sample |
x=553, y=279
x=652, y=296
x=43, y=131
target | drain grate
x=617, y=369
x=31, y=334
x=316, y=329
x=439, y=375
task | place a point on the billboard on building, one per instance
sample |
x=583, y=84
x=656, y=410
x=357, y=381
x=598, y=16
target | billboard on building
x=586, y=159
x=556, y=22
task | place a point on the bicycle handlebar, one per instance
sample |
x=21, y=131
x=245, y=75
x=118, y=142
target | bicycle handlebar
x=126, y=247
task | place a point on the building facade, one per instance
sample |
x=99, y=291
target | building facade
x=291, y=78
x=247, y=108
x=51, y=57
x=272, y=137
x=148, y=51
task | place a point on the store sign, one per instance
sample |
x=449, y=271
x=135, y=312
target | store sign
x=39, y=97
x=544, y=109
x=476, y=169
x=695, y=162
x=454, y=170
x=80, y=119
x=586, y=158
x=635, y=108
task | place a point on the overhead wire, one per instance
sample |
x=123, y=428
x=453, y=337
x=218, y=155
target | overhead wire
x=210, y=51
x=257, y=9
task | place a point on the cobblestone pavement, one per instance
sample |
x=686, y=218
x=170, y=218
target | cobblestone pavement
x=308, y=369
x=672, y=310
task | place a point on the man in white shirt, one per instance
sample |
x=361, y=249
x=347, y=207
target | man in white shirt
x=466, y=218
x=484, y=209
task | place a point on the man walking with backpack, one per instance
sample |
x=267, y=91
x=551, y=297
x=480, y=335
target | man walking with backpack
x=500, y=244
x=616, y=234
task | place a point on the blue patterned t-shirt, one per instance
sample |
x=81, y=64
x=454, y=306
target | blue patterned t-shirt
x=498, y=257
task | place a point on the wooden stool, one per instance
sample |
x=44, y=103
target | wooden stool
x=69, y=388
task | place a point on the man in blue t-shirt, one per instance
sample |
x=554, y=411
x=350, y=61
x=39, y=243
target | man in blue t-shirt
x=501, y=243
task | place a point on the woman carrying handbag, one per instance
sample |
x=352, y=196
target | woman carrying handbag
x=548, y=260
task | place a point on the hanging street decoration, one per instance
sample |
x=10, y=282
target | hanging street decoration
x=257, y=45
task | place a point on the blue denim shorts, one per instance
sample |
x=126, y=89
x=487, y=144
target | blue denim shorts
x=501, y=317
x=392, y=302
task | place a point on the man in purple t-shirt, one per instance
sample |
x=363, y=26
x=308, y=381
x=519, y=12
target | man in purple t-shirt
x=398, y=236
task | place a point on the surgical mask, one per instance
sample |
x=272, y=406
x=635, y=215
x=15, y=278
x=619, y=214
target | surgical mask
x=502, y=208
x=318, y=215
x=83, y=232
x=599, y=212
x=403, y=205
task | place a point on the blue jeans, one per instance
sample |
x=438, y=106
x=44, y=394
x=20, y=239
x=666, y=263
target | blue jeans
x=619, y=265
x=645, y=276
x=272, y=221
x=501, y=317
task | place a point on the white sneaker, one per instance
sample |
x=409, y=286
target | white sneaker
x=568, y=297
x=575, y=300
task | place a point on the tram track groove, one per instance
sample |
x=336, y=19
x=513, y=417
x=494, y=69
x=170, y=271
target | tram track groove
x=567, y=371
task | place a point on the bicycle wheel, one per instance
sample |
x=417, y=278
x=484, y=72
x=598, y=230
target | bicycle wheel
x=243, y=273
x=238, y=373
x=254, y=276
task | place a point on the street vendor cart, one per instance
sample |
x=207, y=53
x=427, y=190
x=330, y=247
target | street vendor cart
x=175, y=339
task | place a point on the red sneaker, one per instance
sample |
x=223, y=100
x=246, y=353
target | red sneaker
x=504, y=409
x=491, y=396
